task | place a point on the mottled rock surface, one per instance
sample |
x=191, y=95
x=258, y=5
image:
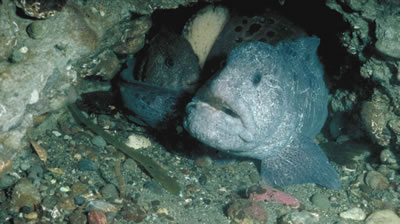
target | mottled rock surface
x=374, y=38
x=42, y=60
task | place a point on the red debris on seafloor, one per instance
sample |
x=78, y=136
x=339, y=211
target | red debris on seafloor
x=97, y=217
x=266, y=193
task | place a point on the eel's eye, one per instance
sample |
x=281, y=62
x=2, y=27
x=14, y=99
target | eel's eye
x=256, y=79
x=169, y=62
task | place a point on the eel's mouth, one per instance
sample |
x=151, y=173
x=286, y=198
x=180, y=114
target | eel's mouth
x=235, y=116
x=218, y=103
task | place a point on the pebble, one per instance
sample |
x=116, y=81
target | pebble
x=383, y=216
x=247, y=211
x=37, y=30
x=97, y=217
x=6, y=181
x=31, y=216
x=101, y=205
x=129, y=165
x=35, y=171
x=79, y=188
x=387, y=36
x=86, y=165
x=353, y=214
x=387, y=157
x=204, y=161
x=99, y=141
x=376, y=180
x=67, y=204
x=138, y=141
x=78, y=217
x=203, y=179
x=17, y=56
x=109, y=191
x=50, y=201
x=133, y=213
x=321, y=201
x=303, y=217
x=56, y=133
x=3, y=197
x=79, y=200
x=153, y=187
x=25, y=165
x=65, y=189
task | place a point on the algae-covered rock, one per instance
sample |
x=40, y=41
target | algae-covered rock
x=374, y=38
x=374, y=115
x=25, y=194
x=43, y=60
x=388, y=36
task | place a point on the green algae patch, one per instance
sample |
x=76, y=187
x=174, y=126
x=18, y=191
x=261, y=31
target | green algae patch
x=157, y=172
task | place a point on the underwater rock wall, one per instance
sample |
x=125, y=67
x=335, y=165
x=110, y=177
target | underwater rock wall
x=46, y=47
x=45, y=50
x=374, y=39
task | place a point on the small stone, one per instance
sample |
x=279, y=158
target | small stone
x=134, y=36
x=79, y=188
x=101, y=205
x=321, y=201
x=77, y=156
x=109, y=191
x=153, y=187
x=97, y=217
x=129, y=165
x=162, y=211
x=6, y=181
x=65, y=189
x=388, y=36
x=155, y=203
x=247, y=211
x=99, y=141
x=37, y=29
x=79, y=200
x=56, y=133
x=376, y=180
x=383, y=216
x=203, y=179
x=203, y=162
x=26, y=209
x=67, y=204
x=36, y=171
x=50, y=201
x=77, y=217
x=302, y=217
x=138, y=141
x=388, y=157
x=353, y=214
x=31, y=216
x=25, y=165
x=17, y=56
x=3, y=197
x=132, y=212
x=86, y=165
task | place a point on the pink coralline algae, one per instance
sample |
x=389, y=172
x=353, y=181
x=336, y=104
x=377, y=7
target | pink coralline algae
x=242, y=211
x=266, y=193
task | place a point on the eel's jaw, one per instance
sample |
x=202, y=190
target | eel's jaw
x=215, y=127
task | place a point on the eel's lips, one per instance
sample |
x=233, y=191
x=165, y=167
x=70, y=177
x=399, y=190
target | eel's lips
x=219, y=128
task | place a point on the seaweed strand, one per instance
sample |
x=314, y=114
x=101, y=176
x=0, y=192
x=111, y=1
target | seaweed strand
x=157, y=172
